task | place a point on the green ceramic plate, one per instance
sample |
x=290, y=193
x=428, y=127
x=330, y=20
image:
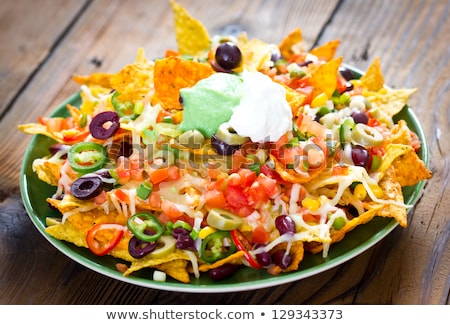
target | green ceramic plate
x=34, y=192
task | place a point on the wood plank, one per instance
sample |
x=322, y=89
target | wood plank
x=413, y=55
x=26, y=38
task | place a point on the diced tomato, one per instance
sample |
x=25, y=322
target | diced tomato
x=158, y=175
x=261, y=190
x=310, y=218
x=173, y=172
x=136, y=174
x=378, y=151
x=341, y=85
x=123, y=176
x=275, y=149
x=237, y=160
x=307, y=125
x=101, y=198
x=306, y=91
x=339, y=170
x=260, y=235
x=171, y=209
x=235, y=196
x=122, y=196
x=215, y=199
x=373, y=122
x=243, y=211
x=75, y=136
x=247, y=177
x=155, y=200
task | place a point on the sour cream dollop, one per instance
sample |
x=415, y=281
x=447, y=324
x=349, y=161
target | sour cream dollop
x=263, y=114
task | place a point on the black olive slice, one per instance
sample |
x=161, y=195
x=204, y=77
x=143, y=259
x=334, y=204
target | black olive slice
x=85, y=188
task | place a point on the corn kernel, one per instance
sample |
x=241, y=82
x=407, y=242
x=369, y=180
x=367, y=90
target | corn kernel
x=356, y=82
x=360, y=192
x=311, y=204
x=377, y=190
x=319, y=100
x=177, y=117
x=246, y=228
x=205, y=232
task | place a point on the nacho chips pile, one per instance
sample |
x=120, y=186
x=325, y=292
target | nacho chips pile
x=130, y=183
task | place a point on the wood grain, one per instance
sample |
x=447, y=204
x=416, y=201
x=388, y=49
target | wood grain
x=410, y=266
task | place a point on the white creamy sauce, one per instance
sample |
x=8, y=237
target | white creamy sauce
x=263, y=113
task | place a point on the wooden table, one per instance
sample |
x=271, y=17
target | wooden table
x=44, y=42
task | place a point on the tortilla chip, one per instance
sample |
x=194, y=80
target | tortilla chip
x=235, y=258
x=192, y=36
x=338, y=235
x=176, y=269
x=297, y=252
x=255, y=54
x=401, y=134
x=393, y=151
x=390, y=101
x=373, y=78
x=410, y=169
x=149, y=261
x=290, y=175
x=173, y=74
x=393, y=191
x=95, y=79
x=135, y=80
x=47, y=170
x=323, y=79
x=326, y=51
x=37, y=128
x=294, y=98
x=290, y=42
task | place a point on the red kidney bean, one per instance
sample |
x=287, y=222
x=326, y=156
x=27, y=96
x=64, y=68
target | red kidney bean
x=222, y=272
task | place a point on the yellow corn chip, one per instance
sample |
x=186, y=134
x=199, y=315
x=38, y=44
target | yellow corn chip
x=176, y=269
x=149, y=261
x=173, y=74
x=393, y=191
x=390, y=101
x=294, y=99
x=323, y=79
x=255, y=54
x=47, y=170
x=297, y=253
x=373, y=78
x=95, y=79
x=235, y=258
x=135, y=80
x=288, y=44
x=192, y=36
x=393, y=151
x=410, y=169
x=338, y=235
x=326, y=51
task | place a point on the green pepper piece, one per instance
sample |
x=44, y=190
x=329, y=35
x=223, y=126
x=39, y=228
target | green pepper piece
x=123, y=109
x=144, y=190
x=86, y=157
x=147, y=228
x=217, y=246
x=182, y=224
